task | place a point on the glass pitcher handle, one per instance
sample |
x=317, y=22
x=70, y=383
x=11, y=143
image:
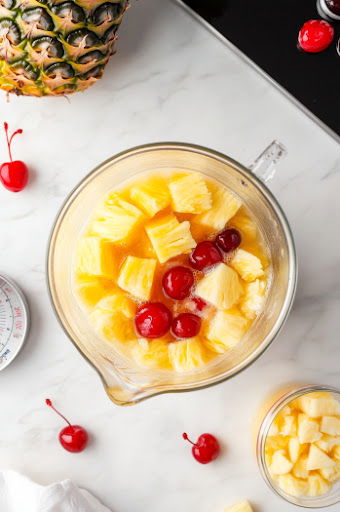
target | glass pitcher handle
x=265, y=164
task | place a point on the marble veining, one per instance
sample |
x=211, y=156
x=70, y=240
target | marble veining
x=171, y=80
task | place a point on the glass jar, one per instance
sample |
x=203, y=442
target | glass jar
x=269, y=412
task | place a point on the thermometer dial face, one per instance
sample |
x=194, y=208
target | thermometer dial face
x=14, y=321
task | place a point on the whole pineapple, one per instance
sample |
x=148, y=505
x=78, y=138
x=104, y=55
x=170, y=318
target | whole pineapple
x=56, y=47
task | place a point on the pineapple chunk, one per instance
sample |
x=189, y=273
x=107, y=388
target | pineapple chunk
x=136, y=276
x=224, y=207
x=331, y=474
x=243, y=222
x=327, y=442
x=221, y=287
x=319, y=404
x=169, y=237
x=294, y=449
x=91, y=289
x=151, y=195
x=274, y=429
x=241, y=506
x=112, y=326
x=317, y=459
x=292, y=486
x=308, y=429
x=288, y=426
x=275, y=443
x=116, y=219
x=317, y=485
x=253, y=300
x=300, y=467
x=330, y=425
x=247, y=265
x=280, y=463
x=118, y=302
x=152, y=354
x=190, y=194
x=224, y=331
x=187, y=355
x=95, y=257
x=112, y=317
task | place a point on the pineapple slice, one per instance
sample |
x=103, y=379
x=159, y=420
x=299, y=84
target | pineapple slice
x=318, y=404
x=280, y=463
x=91, y=289
x=152, y=354
x=244, y=223
x=187, y=355
x=247, y=265
x=136, y=276
x=308, y=429
x=169, y=237
x=116, y=219
x=317, y=459
x=95, y=257
x=253, y=299
x=330, y=425
x=317, y=485
x=225, y=330
x=190, y=194
x=224, y=207
x=151, y=195
x=241, y=506
x=292, y=486
x=112, y=318
x=336, y=453
x=300, y=467
x=221, y=287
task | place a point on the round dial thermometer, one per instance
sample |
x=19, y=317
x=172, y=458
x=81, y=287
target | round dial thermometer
x=14, y=321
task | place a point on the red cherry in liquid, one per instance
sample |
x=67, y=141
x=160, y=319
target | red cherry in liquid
x=73, y=438
x=228, y=240
x=13, y=174
x=205, y=255
x=315, y=36
x=177, y=282
x=186, y=325
x=206, y=449
x=153, y=320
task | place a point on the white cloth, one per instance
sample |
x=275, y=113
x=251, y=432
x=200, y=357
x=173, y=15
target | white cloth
x=19, y=494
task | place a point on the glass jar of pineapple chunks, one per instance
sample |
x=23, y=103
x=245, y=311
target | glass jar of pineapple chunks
x=298, y=445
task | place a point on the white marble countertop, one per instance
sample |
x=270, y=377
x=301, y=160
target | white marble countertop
x=171, y=80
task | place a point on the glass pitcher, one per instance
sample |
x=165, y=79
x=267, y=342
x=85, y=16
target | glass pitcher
x=125, y=382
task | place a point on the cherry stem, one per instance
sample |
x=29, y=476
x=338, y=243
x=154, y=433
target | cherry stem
x=9, y=139
x=185, y=436
x=49, y=403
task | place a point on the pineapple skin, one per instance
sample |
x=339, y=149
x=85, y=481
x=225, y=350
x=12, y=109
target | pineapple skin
x=56, y=48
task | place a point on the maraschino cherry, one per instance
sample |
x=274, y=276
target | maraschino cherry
x=186, y=325
x=153, y=320
x=73, y=438
x=206, y=449
x=205, y=255
x=177, y=282
x=315, y=36
x=228, y=240
x=13, y=174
